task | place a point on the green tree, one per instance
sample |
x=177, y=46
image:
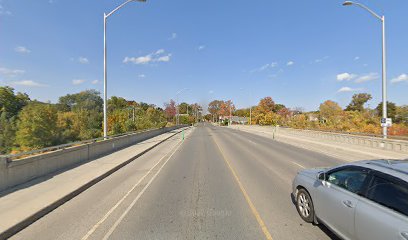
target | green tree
x=85, y=100
x=37, y=127
x=115, y=103
x=402, y=114
x=391, y=110
x=7, y=133
x=358, y=101
x=11, y=103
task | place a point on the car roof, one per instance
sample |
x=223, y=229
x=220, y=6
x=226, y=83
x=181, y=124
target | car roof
x=396, y=168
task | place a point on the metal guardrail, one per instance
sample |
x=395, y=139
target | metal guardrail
x=351, y=133
x=11, y=157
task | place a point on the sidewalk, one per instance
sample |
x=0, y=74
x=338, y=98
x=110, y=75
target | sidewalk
x=29, y=202
x=344, y=151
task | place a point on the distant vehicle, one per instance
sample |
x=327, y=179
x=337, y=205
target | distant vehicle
x=364, y=200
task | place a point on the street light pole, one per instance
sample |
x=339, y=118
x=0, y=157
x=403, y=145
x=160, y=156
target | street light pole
x=105, y=67
x=384, y=77
x=384, y=61
x=105, y=81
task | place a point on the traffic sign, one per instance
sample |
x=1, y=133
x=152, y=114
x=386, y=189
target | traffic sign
x=386, y=122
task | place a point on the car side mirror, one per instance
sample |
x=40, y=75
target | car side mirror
x=321, y=176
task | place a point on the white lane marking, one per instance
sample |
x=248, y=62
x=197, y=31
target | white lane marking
x=298, y=165
x=92, y=230
x=137, y=197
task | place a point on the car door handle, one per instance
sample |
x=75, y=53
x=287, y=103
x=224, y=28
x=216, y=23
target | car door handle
x=404, y=235
x=348, y=203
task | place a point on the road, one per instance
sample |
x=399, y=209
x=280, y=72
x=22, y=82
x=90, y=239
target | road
x=218, y=183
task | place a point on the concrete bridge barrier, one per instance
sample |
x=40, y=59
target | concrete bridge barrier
x=14, y=172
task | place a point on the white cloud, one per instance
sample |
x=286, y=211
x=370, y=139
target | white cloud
x=265, y=66
x=160, y=51
x=95, y=81
x=141, y=76
x=348, y=89
x=367, y=77
x=345, y=76
x=149, y=58
x=28, y=83
x=173, y=36
x=164, y=58
x=4, y=12
x=211, y=92
x=356, y=58
x=400, y=78
x=321, y=59
x=78, y=81
x=201, y=47
x=6, y=72
x=290, y=63
x=83, y=60
x=23, y=50
x=138, y=60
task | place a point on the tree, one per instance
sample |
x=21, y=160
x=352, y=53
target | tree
x=170, y=110
x=244, y=112
x=279, y=107
x=115, y=103
x=266, y=105
x=183, y=108
x=7, y=133
x=37, y=127
x=402, y=115
x=11, y=103
x=391, y=109
x=85, y=100
x=214, y=107
x=329, y=109
x=358, y=101
x=226, y=108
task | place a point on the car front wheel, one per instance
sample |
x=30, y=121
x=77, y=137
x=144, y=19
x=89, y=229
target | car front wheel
x=304, y=206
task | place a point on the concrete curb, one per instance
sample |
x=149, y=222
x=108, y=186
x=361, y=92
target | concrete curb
x=41, y=213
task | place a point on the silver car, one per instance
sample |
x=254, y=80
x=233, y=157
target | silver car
x=363, y=200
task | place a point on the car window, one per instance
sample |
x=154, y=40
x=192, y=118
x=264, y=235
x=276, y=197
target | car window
x=393, y=195
x=349, y=179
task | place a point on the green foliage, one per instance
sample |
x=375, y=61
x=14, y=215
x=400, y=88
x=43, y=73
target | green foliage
x=358, y=101
x=391, y=109
x=8, y=128
x=85, y=100
x=11, y=103
x=402, y=115
x=37, y=127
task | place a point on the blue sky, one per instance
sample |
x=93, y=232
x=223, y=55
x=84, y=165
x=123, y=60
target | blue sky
x=299, y=52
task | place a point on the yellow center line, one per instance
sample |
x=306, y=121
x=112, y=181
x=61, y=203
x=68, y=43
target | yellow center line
x=247, y=198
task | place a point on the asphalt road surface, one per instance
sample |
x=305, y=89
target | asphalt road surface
x=218, y=183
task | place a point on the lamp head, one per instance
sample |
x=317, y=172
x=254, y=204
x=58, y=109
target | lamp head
x=348, y=3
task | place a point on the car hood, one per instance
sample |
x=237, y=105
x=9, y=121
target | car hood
x=312, y=172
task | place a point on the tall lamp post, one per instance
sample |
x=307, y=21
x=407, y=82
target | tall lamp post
x=105, y=68
x=384, y=64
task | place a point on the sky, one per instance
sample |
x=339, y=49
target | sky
x=300, y=53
